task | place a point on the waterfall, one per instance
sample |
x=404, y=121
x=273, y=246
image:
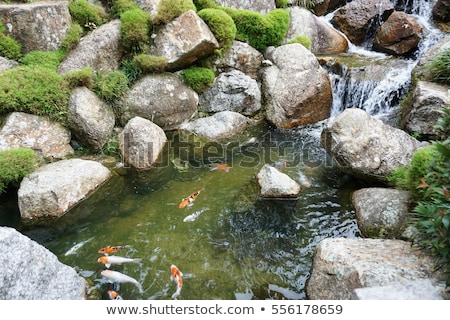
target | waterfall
x=379, y=93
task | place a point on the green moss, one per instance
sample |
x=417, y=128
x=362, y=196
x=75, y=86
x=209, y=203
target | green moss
x=120, y=6
x=86, y=14
x=79, y=78
x=282, y=3
x=14, y=165
x=303, y=40
x=221, y=25
x=134, y=30
x=72, y=38
x=260, y=31
x=198, y=78
x=35, y=90
x=171, y=9
x=45, y=59
x=9, y=47
x=149, y=63
x=110, y=86
x=131, y=70
x=205, y=4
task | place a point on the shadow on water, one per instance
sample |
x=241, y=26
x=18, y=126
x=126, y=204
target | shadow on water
x=238, y=246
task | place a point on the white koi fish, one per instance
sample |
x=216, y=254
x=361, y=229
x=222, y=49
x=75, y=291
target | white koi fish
x=117, y=277
x=194, y=215
x=75, y=248
x=109, y=260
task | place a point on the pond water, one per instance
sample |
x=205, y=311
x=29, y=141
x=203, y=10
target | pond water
x=239, y=247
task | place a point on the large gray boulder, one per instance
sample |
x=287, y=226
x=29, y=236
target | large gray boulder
x=101, y=50
x=342, y=265
x=48, y=139
x=365, y=147
x=51, y=190
x=275, y=184
x=296, y=89
x=90, y=119
x=31, y=272
x=232, y=91
x=141, y=142
x=161, y=98
x=324, y=37
x=381, y=212
x=38, y=25
x=183, y=41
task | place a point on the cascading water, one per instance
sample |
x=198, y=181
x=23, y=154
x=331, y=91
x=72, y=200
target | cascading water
x=358, y=82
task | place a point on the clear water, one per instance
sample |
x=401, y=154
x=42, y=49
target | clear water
x=239, y=247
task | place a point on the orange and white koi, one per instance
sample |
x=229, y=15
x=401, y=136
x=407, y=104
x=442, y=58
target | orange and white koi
x=114, y=295
x=189, y=200
x=109, y=260
x=117, y=277
x=177, y=276
x=111, y=249
x=221, y=167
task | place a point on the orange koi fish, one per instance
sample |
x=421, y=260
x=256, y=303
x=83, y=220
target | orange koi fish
x=221, y=167
x=113, y=295
x=177, y=276
x=111, y=249
x=189, y=200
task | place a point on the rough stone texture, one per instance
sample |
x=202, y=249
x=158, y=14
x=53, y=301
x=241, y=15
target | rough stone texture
x=151, y=6
x=441, y=11
x=420, y=70
x=400, y=35
x=51, y=190
x=411, y=290
x=6, y=64
x=161, y=98
x=276, y=184
x=183, y=41
x=428, y=100
x=232, y=91
x=354, y=18
x=31, y=272
x=296, y=89
x=381, y=212
x=91, y=120
x=101, y=50
x=325, y=39
x=365, y=147
x=342, y=265
x=48, y=139
x=240, y=56
x=261, y=6
x=37, y=26
x=141, y=142
x=220, y=125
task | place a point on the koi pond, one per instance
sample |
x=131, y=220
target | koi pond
x=235, y=245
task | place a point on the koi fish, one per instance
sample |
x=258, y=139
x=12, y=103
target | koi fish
x=109, y=260
x=117, y=277
x=111, y=249
x=75, y=248
x=177, y=276
x=113, y=295
x=221, y=167
x=194, y=216
x=189, y=200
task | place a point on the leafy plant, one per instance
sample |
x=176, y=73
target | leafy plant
x=110, y=86
x=221, y=25
x=439, y=67
x=198, y=78
x=134, y=30
x=131, y=70
x=171, y=9
x=14, y=165
x=35, y=90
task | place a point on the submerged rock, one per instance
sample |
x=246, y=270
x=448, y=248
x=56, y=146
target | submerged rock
x=31, y=272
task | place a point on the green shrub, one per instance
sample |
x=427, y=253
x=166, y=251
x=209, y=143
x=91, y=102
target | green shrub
x=198, y=78
x=439, y=67
x=45, y=59
x=35, y=90
x=171, y=9
x=134, y=30
x=282, y=3
x=120, y=6
x=303, y=40
x=14, y=165
x=86, y=14
x=79, y=78
x=72, y=38
x=260, y=31
x=110, y=86
x=9, y=47
x=220, y=24
x=148, y=63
